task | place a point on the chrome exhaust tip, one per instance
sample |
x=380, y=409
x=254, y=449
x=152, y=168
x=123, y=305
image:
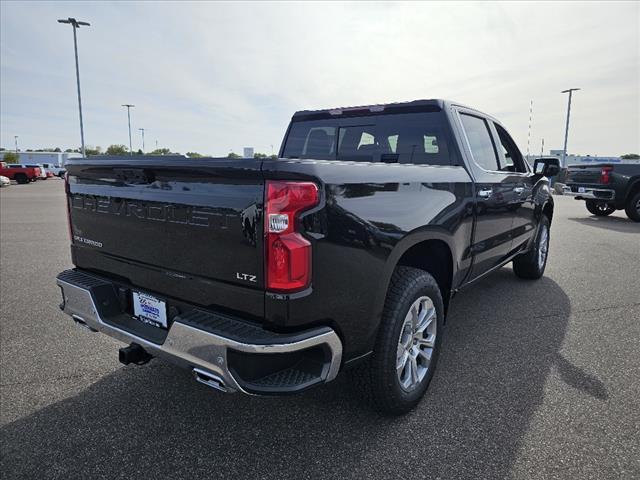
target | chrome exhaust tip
x=81, y=323
x=209, y=379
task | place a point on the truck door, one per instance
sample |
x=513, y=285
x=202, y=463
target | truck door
x=494, y=192
x=522, y=202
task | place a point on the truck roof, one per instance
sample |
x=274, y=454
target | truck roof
x=432, y=105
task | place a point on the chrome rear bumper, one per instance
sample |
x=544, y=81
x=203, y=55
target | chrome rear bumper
x=90, y=301
x=591, y=193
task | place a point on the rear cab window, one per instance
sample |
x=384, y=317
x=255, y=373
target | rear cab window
x=416, y=138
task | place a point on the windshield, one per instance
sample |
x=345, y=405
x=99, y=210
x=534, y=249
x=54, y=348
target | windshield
x=420, y=138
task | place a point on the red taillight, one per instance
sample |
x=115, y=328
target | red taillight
x=67, y=193
x=288, y=254
x=605, y=174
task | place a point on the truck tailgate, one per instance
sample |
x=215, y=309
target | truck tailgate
x=179, y=227
x=586, y=174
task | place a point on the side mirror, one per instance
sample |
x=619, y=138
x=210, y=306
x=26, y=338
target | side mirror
x=549, y=166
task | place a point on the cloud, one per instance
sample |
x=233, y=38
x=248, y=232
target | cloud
x=212, y=77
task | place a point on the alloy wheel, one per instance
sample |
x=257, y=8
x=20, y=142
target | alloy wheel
x=416, y=343
x=543, y=246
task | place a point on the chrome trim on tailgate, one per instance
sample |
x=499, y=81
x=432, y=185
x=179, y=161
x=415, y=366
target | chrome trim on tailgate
x=193, y=348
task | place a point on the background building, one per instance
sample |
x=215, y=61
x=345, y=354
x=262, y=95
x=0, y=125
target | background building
x=248, y=152
x=56, y=158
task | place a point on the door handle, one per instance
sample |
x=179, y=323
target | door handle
x=518, y=189
x=485, y=193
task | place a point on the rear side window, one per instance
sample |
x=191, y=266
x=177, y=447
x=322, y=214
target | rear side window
x=480, y=142
x=419, y=138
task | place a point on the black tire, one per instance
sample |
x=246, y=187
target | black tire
x=21, y=178
x=61, y=175
x=632, y=208
x=529, y=265
x=376, y=379
x=599, y=208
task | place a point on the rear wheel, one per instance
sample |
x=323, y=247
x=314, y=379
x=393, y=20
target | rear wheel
x=531, y=265
x=599, y=208
x=395, y=378
x=632, y=209
x=21, y=178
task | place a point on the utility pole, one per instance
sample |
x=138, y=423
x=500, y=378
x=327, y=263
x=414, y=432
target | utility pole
x=142, y=130
x=128, y=105
x=566, y=130
x=76, y=24
x=529, y=131
x=15, y=138
x=542, y=149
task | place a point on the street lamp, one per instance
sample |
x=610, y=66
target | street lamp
x=76, y=24
x=566, y=130
x=128, y=105
x=15, y=137
x=142, y=130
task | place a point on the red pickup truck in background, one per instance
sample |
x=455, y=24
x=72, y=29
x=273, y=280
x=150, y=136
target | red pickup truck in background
x=19, y=173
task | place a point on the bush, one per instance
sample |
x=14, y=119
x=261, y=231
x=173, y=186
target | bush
x=11, y=157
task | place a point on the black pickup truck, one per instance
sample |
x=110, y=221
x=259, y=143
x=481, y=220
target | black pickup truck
x=606, y=187
x=272, y=276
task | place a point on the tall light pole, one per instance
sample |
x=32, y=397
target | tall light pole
x=15, y=138
x=128, y=105
x=566, y=129
x=76, y=24
x=142, y=130
x=529, y=130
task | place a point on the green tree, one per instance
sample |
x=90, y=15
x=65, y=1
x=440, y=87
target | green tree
x=161, y=151
x=630, y=156
x=116, y=150
x=193, y=155
x=89, y=150
x=259, y=155
x=233, y=155
x=11, y=157
x=273, y=157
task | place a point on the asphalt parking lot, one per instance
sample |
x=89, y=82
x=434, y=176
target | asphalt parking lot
x=537, y=379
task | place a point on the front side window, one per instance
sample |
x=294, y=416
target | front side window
x=510, y=158
x=480, y=142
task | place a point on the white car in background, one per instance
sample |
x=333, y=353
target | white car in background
x=43, y=171
x=4, y=181
x=55, y=169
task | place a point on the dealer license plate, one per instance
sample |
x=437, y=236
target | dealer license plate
x=149, y=309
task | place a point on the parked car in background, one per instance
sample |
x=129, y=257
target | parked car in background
x=43, y=171
x=269, y=276
x=55, y=169
x=4, y=181
x=20, y=173
x=606, y=187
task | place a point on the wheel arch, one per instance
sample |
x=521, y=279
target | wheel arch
x=632, y=188
x=547, y=209
x=429, y=250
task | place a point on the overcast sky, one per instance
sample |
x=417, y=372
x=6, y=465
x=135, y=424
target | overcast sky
x=214, y=77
